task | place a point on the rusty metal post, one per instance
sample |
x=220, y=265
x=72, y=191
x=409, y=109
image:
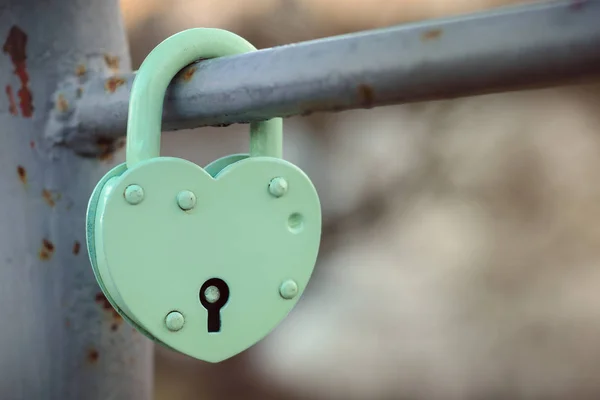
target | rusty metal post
x=59, y=338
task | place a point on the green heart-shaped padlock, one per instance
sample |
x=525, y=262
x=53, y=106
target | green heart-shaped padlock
x=204, y=261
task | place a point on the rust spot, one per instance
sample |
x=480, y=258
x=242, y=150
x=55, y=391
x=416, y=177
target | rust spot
x=50, y=197
x=431, y=34
x=76, y=247
x=105, y=304
x=62, y=104
x=106, y=147
x=12, y=105
x=114, y=327
x=120, y=143
x=80, y=70
x=15, y=46
x=48, y=245
x=314, y=106
x=187, y=74
x=103, y=301
x=32, y=144
x=93, y=356
x=47, y=250
x=22, y=174
x=366, y=95
x=113, y=83
x=44, y=255
x=67, y=323
x=106, y=157
x=112, y=62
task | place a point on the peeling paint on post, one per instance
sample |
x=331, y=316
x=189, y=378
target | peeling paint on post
x=58, y=339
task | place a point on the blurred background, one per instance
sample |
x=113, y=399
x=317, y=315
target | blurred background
x=461, y=250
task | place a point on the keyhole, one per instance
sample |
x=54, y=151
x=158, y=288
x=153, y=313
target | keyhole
x=213, y=296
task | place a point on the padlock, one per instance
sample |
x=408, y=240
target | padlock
x=206, y=261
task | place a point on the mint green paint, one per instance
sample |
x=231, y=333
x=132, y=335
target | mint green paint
x=159, y=227
x=216, y=166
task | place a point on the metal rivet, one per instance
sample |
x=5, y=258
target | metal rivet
x=278, y=187
x=186, y=200
x=134, y=194
x=174, y=321
x=212, y=294
x=288, y=289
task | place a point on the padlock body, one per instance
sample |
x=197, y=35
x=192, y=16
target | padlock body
x=157, y=256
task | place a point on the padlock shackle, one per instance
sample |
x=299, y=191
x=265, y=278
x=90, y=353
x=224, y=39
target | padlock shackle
x=144, y=120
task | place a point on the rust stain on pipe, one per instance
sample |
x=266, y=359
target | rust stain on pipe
x=15, y=46
x=115, y=318
x=50, y=197
x=577, y=5
x=22, y=174
x=12, y=104
x=112, y=62
x=76, y=247
x=47, y=196
x=113, y=83
x=187, y=74
x=366, y=95
x=80, y=70
x=432, y=34
x=47, y=250
x=107, y=147
x=62, y=104
x=93, y=356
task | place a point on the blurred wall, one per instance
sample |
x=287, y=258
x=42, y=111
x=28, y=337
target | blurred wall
x=460, y=251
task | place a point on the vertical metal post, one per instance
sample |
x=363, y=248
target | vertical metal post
x=59, y=338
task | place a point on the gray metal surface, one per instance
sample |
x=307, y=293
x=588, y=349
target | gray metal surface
x=528, y=46
x=59, y=338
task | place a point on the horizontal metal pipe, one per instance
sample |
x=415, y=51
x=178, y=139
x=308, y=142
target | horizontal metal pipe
x=518, y=47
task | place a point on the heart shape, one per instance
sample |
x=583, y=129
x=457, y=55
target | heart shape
x=154, y=257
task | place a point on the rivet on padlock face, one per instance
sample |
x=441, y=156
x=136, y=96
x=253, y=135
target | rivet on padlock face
x=174, y=321
x=206, y=261
x=186, y=200
x=278, y=186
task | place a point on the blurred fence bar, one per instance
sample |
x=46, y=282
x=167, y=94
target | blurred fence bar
x=529, y=46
